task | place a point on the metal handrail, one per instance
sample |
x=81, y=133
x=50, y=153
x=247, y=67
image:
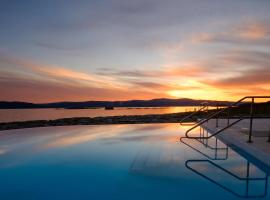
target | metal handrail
x=216, y=133
x=204, y=105
x=211, y=116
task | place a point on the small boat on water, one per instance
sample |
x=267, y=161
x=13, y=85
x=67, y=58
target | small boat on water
x=109, y=108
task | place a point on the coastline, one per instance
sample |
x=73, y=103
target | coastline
x=124, y=119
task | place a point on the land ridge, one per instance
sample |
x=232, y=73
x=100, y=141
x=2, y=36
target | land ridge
x=162, y=102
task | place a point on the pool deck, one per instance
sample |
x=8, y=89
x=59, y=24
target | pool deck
x=237, y=136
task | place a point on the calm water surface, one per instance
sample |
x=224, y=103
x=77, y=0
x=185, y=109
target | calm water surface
x=8, y=115
x=123, y=162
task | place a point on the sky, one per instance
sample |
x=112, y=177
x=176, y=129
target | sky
x=78, y=50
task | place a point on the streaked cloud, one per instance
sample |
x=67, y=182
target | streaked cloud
x=254, y=31
x=249, y=69
x=46, y=83
x=54, y=72
x=21, y=89
x=185, y=70
x=251, y=74
x=247, y=33
x=114, y=50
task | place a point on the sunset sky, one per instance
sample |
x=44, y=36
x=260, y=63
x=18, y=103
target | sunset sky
x=54, y=50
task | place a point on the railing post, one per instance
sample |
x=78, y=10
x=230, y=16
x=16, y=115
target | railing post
x=203, y=134
x=228, y=116
x=206, y=139
x=216, y=149
x=268, y=136
x=251, y=121
x=217, y=118
x=207, y=109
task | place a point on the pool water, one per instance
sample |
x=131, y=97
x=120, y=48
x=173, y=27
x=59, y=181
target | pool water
x=124, y=162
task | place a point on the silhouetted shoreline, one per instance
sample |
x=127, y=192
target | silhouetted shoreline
x=261, y=110
x=164, y=102
x=125, y=119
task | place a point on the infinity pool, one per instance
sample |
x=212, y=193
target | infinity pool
x=124, y=162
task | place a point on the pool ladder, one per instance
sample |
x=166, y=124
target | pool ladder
x=227, y=113
x=203, y=139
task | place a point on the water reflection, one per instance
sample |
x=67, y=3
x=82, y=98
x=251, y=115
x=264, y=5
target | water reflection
x=253, y=181
x=126, y=161
x=30, y=142
x=44, y=138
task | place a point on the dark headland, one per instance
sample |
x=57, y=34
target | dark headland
x=164, y=102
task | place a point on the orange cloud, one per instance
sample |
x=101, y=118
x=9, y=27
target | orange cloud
x=202, y=37
x=169, y=70
x=21, y=89
x=217, y=77
x=241, y=33
x=38, y=71
x=253, y=31
x=184, y=70
x=250, y=82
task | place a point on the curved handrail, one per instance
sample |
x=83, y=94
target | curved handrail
x=222, y=111
x=214, y=134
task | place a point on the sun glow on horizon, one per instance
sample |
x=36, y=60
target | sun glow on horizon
x=200, y=94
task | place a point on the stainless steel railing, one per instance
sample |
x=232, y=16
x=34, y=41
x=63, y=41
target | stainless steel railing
x=229, y=116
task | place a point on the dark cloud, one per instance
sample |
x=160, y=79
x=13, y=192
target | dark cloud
x=250, y=73
x=64, y=47
x=247, y=78
x=191, y=70
x=257, y=59
x=135, y=7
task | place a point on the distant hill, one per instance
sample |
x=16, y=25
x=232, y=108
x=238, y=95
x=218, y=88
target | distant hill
x=92, y=104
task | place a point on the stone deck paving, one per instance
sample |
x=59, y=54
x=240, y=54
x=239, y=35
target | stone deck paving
x=237, y=136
